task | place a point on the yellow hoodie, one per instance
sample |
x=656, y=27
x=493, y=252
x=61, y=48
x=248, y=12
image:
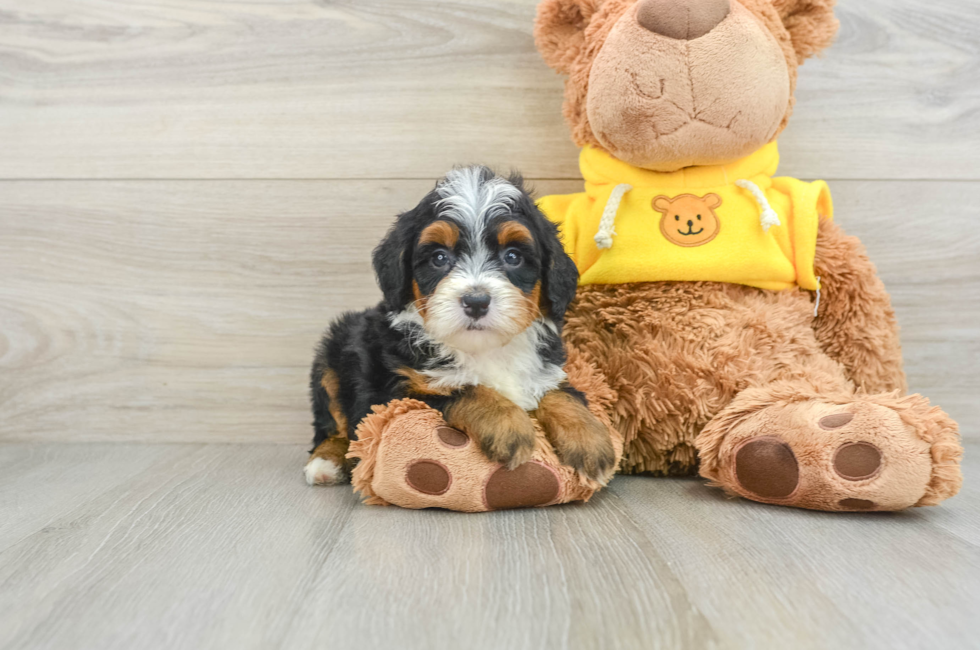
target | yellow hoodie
x=726, y=223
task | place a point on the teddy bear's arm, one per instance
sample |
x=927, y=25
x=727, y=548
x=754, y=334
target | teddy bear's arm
x=855, y=322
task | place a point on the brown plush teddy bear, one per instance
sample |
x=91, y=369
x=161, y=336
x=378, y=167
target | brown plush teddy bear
x=723, y=323
x=740, y=330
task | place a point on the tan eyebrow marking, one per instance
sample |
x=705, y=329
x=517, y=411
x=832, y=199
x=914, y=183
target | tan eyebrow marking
x=440, y=232
x=511, y=231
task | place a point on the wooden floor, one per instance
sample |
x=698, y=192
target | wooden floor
x=190, y=191
x=224, y=546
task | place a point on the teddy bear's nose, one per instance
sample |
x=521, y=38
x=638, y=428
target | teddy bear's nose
x=682, y=19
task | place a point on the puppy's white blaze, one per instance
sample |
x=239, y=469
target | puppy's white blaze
x=322, y=471
x=473, y=201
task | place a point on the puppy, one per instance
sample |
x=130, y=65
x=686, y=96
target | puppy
x=475, y=284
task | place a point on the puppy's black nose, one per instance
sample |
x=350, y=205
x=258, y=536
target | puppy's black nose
x=476, y=305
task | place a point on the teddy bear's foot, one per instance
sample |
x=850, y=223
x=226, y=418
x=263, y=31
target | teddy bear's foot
x=408, y=456
x=859, y=453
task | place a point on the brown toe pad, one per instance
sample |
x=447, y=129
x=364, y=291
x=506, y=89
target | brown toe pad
x=857, y=504
x=767, y=468
x=835, y=421
x=428, y=477
x=857, y=461
x=452, y=437
x=531, y=484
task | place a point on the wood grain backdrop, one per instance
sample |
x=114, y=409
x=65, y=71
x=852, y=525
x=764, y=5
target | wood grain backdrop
x=190, y=190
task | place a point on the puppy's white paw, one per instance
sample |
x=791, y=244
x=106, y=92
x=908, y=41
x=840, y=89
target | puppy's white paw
x=323, y=471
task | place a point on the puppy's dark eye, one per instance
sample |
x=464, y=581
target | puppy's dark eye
x=440, y=259
x=513, y=257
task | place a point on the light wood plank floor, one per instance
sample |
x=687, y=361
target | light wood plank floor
x=224, y=546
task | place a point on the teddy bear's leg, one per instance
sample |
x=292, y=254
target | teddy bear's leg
x=798, y=444
x=855, y=323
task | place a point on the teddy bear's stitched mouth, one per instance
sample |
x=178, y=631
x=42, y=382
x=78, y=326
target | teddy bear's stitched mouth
x=691, y=232
x=689, y=118
x=639, y=91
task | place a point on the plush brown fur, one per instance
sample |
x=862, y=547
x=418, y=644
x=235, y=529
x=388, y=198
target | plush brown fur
x=856, y=324
x=676, y=353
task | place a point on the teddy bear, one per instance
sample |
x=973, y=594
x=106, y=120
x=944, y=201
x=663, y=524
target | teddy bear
x=743, y=334
x=724, y=323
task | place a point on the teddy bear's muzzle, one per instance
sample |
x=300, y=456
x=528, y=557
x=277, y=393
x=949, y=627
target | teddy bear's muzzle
x=684, y=21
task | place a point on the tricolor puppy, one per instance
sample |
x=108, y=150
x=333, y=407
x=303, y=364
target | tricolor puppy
x=475, y=285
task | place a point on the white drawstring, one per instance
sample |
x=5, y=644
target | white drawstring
x=816, y=306
x=603, y=238
x=768, y=218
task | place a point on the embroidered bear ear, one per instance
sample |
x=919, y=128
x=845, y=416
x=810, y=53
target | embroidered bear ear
x=559, y=31
x=712, y=201
x=811, y=24
x=661, y=204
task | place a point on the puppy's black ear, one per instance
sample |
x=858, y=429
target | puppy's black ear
x=393, y=262
x=558, y=272
x=560, y=276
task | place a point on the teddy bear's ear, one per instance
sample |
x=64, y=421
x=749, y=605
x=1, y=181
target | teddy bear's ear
x=712, y=201
x=811, y=24
x=559, y=30
x=661, y=204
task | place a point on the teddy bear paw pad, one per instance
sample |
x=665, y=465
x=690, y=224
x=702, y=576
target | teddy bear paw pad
x=429, y=477
x=453, y=438
x=856, y=504
x=834, y=421
x=766, y=466
x=857, y=461
x=531, y=484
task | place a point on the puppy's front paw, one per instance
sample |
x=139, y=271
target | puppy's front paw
x=505, y=430
x=328, y=464
x=592, y=457
x=508, y=438
x=324, y=471
x=579, y=439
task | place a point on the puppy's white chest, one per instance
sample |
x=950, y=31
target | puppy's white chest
x=516, y=371
x=521, y=385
